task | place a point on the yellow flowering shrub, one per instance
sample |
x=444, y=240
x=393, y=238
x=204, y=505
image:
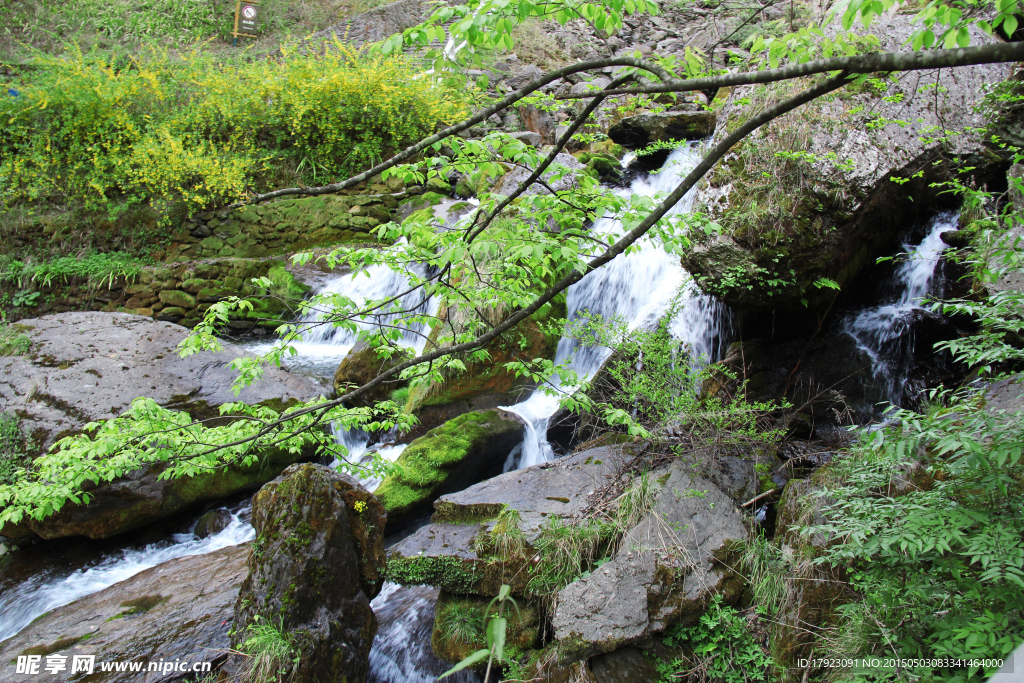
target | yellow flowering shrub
x=197, y=131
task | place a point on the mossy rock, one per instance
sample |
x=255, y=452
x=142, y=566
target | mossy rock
x=535, y=338
x=449, y=458
x=361, y=365
x=458, y=626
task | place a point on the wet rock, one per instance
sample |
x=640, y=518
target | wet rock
x=636, y=132
x=669, y=567
x=446, y=552
x=361, y=365
x=316, y=562
x=212, y=522
x=625, y=665
x=180, y=610
x=85, y=367
x=459, y=453
x=777, y=243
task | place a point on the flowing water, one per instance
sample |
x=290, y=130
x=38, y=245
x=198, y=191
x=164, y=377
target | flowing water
x=401, y=651
x=885, y=332
x=53, y=586
x=638, y=289
x=323, y=346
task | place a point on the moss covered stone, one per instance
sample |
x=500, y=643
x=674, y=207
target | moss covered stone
x=308, y=573
x=487, y=385
x=463, y=451
x=362, y=364
x=459, y=621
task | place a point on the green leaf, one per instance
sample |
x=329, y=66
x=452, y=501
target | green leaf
x=476, y=657
x=1010, y=25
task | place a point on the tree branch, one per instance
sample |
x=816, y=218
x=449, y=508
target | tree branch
x=861, y=64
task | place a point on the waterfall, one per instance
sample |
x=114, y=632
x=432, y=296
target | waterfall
x=884, y=332
x=22, y=604
x=401, y=651
x=637, y=288
x=323, y=346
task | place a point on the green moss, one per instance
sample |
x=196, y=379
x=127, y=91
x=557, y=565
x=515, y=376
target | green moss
x=142, y=604
x=56, y=646
x=466, y=514
x=285, y=284
x=450, y=572
x=426, y=464
x=459, y=627
x=421, y=216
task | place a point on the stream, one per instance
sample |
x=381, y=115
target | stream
x=638, y=288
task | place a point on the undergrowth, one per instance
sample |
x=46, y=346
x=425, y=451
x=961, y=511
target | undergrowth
x=460, y=622
x=46, y=24
x=13, y=342
x=12, y=446
x=272, y=653
x=94, y=270
x=116, y=131
x=926, y=514
x=717, y=649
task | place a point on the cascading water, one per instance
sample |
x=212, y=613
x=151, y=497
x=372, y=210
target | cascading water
x=323, y=346
x=637, y=288
x=401, y=651
x=47, y=590
x=885, y=332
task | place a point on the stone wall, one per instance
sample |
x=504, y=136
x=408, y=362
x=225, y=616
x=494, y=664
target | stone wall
x=283, y=227
x=182, y=293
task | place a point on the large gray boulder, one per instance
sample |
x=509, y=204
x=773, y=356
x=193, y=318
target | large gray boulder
x=89, y=366
x=317, y=561
x=787, y=223
x=85, y=367
x=446, y=553
x=668, y=568
x=180, y=610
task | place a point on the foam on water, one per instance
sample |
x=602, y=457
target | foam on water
x=884, y=332
x=637, y=288
x=20, y=605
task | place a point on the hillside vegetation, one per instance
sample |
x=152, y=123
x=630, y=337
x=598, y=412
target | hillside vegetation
x=51, y=24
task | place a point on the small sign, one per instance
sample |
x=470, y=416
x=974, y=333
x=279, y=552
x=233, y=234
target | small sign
x=246, y=19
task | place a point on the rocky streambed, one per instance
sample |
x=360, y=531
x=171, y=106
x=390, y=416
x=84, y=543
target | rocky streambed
x=388, y=580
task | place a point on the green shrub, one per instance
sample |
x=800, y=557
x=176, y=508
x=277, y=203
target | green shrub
x=272, y=653
x=195, y=131
x=722, y=649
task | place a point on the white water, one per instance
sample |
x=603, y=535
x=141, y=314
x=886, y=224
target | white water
x=22, y=604
x=884, y=332
x=638, y=288
x=323, y=346
x=401, y=651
